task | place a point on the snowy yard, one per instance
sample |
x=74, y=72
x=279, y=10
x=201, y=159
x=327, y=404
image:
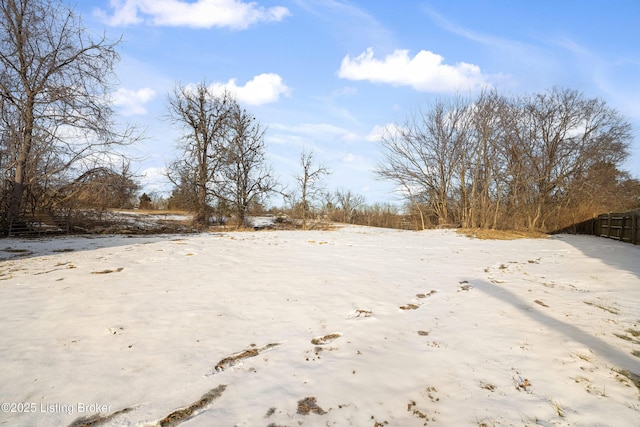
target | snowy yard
x=351, y=327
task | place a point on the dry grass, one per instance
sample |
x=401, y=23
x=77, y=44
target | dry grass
x=322, y=226
x=601, y=306
x=488, y=234
x=633, y=378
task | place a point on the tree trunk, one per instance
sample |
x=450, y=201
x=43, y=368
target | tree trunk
x=202, y=193
x=20, y=178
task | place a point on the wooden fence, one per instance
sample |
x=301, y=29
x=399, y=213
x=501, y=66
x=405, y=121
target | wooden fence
x=620, y=226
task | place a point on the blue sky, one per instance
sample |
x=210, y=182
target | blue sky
x=327, y=75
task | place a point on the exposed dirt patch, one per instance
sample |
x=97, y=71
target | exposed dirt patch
x=184, y=414
x=308, y=405
x=236, y=358
x=465, y=286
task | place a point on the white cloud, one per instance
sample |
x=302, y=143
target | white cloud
x=132, y=101
x=262, y=89
x=154, y=180
x=378, y=132
x=234, y=14
x=425, y=72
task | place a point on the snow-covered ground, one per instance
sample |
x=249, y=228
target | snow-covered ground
x=350, y=327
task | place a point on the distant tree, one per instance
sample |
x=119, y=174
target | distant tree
x=309, y=184
x=348, y=203
x=244, y=177
x=55, y=114
x=381, y=215
x=145, y=202
x=206, y=119
x=184, y=195
x=330, y=205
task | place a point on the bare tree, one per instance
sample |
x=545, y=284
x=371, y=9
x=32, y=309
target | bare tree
x=54, y=109
x=349, y=203
x=565, y=135
x=424, y=156
x=309, y=183
x=223, y=158
x=205, y=118
x=245, y=178
x=490, y=126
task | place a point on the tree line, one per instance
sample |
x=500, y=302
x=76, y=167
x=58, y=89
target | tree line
x=532, y=161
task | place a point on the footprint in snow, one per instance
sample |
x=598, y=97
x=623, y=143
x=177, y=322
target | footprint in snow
x=236, y=358
x=412, y=306
x=465, y=286
x=326, y=339
x=427, y=295
x=359, y=314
